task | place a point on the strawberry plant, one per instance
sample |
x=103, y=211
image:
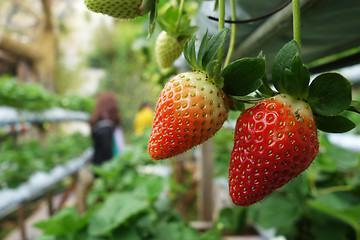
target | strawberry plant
x=126, y=204
x=276, y=136
x=176, y=30
x=30, y=156
x=275, y=140
x=34, y=97
x=191, y=108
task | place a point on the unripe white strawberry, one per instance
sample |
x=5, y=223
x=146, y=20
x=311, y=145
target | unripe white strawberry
x=167, y=49
x=123, y=9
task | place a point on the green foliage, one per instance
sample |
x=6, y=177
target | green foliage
x=297, y=79
x=334, y=124
x=34, y=97
x=322, y=203
x=29, y=96
x=168, y=21
x=207, y=50
x=329, y=94
x=124, y=202
x=29, y=157
x=282, y=62
x=243, y=76
x=65, y=222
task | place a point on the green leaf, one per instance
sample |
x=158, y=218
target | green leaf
x=189, y=53
x=202, y=49
x=118, y=208
x=243, y=76
x=329, y=94
x=65, y=222
x=168, y=22
x=213, y=46
x=266, y=213
x=238, y=105
x=334, y=124
x=265, y=88
x=297, y=79
x=176, y=231
x=354, y=106
x=210, y=69
x=152, y=19
x=283, y=61
x=350, y=216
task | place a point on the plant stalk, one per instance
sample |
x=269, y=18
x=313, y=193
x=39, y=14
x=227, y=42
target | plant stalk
x=180, y=14
x=335, y=189
x=296, y=21
x=221, y=26
x=233, y=34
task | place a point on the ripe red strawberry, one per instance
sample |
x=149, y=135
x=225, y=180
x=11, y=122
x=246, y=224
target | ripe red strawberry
x=123, y=9
x=190, y=110
x=274, y=142
x=167, y=49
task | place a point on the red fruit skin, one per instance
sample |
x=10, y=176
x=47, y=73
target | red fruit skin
x=190, y=110
x=272, y=145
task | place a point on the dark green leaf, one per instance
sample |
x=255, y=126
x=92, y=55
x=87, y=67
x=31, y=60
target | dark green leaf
x=189, y=53
x=116, y=210
x=329, y=94
x=238, y=105
x=243, y=76
x=297, y=79
x=354, y=106
x=210, y=69
x=350, y=216
x=266, y=213
x=283, y=61
x=63, y=223
x=168, y=22
x=202, y=49
x=213, y=46
x=265, y=88
x=334, y=124
x=218, y=79
x=152, y=19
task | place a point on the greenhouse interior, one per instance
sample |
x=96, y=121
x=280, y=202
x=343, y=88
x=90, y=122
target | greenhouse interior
x=179, y=120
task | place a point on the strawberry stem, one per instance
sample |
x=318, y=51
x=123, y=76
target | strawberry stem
x=296, y=21
x=181, y=6
x=233, y=34
x=221, y=26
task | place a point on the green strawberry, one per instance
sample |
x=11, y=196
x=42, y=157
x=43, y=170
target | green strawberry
x=123, y=9
x=275, y=141
x=167, y=49
x=190, y=110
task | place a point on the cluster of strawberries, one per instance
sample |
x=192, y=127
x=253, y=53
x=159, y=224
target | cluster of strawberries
x=275, y=140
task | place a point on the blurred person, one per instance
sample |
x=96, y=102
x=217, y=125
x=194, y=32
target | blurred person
x=108, y=141
x=106, y=131
x=143, y=119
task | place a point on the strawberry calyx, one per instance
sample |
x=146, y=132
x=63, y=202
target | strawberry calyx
x=328, y=95
x=175, y=27
x=203, y=59
x=147, y=6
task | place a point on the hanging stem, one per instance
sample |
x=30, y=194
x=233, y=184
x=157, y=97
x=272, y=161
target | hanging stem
x=221, y=26
x=233, y=33
x=296, y=21
x=180, y=14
